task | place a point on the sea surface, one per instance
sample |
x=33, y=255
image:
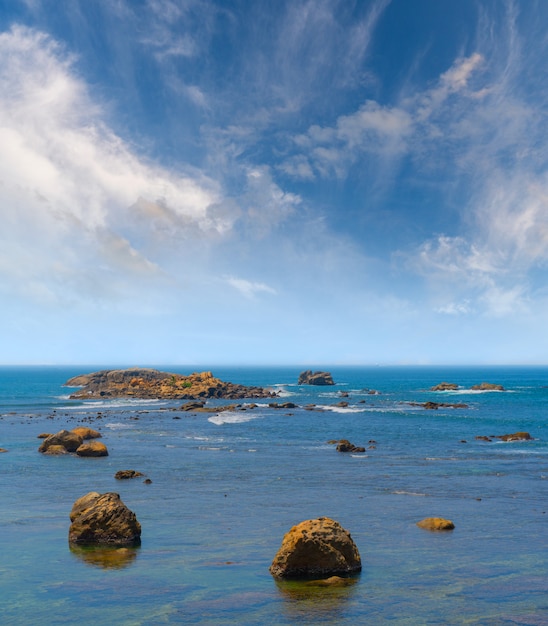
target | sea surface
x=227, y=486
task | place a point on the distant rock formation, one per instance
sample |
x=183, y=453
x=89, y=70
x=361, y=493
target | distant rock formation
x=308, y=377
x=487, y=387
x=434, y=406
x=127, y=474
x=103, y=519
x=343, y=445
x=436, y=523
x=445, y=387
x=317, y=548
x=150, y=383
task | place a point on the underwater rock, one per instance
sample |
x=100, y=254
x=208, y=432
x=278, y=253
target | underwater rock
x=343, y=445
x=308, y=377
x=103, y=519
x=436, y=523
x=317, y=548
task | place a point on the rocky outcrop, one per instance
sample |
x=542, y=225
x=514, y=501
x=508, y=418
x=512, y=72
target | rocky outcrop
x=68, y=440
x=343, y=445
x=103, y=519
x=519, y=436
x=308, y=377
x=434, y=406
x=127, y=474
x=150, y=383
x=92, y=448
x=436, y=523
x=318, y=548
x=487, y=387
x=445, y=387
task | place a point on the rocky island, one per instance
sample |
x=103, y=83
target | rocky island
x=152, y=384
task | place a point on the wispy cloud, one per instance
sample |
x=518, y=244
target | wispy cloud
x=249, y=288
x=68, y=181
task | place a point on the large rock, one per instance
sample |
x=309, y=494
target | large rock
x=70, y=441
x=150, y=383
x=103, y=519
x=317, y=548
x=308, y=377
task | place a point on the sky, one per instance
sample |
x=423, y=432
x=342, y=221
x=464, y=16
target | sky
x=292, y=182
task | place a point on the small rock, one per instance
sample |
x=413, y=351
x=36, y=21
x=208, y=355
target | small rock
x=127, y=474
x=93, y=448
x=436, y=523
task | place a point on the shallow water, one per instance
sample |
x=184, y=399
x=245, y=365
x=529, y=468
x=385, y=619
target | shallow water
x=226, y=487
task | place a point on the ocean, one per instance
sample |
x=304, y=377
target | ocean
x=225, y=488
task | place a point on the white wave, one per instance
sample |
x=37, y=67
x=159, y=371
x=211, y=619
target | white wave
x=339, y=409
x=409, y=493
x=114, y=404
x=229, y=417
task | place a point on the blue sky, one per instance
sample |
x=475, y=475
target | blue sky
x=300, y=181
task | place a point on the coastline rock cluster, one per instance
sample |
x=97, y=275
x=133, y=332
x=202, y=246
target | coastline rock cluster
x=481, y=387
x=308, y=377
x=151, y=383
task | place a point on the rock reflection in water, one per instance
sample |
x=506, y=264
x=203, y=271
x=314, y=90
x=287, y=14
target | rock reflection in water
x=105, y=557
x=317, y=599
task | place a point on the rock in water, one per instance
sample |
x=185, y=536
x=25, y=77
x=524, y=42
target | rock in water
x=70, y=441
x=92, y=448
x=308, y=377
x=103, y=519
x=436, y=523
x=317, y=548
x=445, y=387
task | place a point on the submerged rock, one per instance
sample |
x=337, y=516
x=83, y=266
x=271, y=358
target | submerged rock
x=436, y=523
x=343, y=445
x=308, y=377
x=317, y=548
x=519, y=436
x=103, y=519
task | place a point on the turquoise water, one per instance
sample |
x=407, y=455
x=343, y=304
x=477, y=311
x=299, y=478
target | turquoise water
x=226, y=487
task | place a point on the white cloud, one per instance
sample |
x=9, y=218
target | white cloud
x=67, y=181
x=248, y=288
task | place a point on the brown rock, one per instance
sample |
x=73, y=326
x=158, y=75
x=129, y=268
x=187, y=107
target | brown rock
x=343, y=445
x=70, y=441
x=150, y=383
x=436, y=523
x=318, y=548
x=127, y=474
x=44, y=435
x=519, y=436
x=445, y=387
x=103, y=519
x=3, y=450
x=56, y=450
x=487, y=387
x=92, y=448
x=308, y=377
x=86, y=433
